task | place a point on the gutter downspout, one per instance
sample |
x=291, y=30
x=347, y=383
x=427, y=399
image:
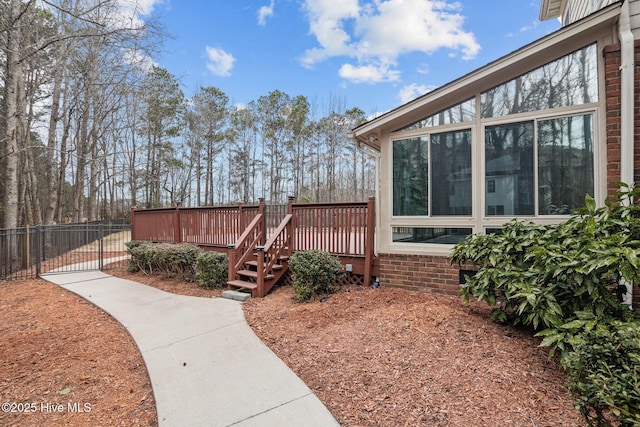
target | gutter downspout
x=626, y=111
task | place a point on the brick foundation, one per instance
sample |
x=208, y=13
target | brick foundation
x=420, y=273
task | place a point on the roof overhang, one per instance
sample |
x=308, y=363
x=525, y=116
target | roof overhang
x=551, y=9
x=535, y=54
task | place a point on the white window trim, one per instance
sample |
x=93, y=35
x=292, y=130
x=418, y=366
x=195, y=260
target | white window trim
x=478, y=221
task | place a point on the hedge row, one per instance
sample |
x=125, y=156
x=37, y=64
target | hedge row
x=209, y=269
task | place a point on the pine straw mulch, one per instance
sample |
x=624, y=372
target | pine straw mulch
x=374, y=357
x=65, y=362
x=390, y=357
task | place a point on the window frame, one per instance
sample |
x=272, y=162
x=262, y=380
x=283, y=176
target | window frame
x=427, y=133
x=559, y=113
x=479, y=222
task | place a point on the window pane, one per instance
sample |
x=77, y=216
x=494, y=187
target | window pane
x=460, y=113
x=451, y=173
x=570, y=80
x=411, y=176
x=509, y=164
x=565, y=163
x=444, y=236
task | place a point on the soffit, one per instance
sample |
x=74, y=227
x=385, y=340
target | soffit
x=540, y=52
x=551, y=9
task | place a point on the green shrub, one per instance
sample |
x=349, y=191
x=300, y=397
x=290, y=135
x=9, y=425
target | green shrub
x=131, y=245
x=564, y=280
x=314, y=272
x=168, y=259
x=212, y=269
x=604, y=373
x=542, y=276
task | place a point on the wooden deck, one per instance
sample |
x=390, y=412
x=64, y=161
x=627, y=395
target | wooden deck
x=259, y=239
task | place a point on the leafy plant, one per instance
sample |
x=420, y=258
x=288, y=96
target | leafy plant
x=166, y=258
x=604, y=373
x=314, y=272
x=212, y=269
x=131, y=245
x=565, y=281
x=542, y=276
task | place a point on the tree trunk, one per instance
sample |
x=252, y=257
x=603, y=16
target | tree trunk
x=13, y=76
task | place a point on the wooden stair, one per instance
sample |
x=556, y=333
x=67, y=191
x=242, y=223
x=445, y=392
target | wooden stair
x=255, y=265
x=247, y=278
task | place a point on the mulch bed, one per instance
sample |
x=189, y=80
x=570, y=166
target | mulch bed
x=374, y=357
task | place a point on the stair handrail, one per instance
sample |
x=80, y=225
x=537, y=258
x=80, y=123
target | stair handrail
x=275, y=237
x=269, y=254
x=245, y=245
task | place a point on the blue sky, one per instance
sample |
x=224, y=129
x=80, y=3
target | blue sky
x=373, y=54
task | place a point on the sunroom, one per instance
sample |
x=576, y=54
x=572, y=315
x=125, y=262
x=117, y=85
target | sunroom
x=523, y=137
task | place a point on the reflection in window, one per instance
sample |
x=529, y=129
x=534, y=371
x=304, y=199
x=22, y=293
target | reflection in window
x=509, y=163
x=411, y=176
x=459, y=113
x=565, y=163
x=444, y=236
x=451, y=173
x=570, y=80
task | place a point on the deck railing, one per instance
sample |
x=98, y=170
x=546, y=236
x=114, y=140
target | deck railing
x=203, y=226
x=346, y=230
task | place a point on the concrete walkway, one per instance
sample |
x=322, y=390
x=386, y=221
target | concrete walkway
x=207, y=367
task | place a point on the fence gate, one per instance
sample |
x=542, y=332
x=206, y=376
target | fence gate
x=29, y=252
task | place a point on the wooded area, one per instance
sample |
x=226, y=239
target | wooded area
x=90, y=125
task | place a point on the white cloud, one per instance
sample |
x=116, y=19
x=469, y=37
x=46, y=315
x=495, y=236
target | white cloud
x=423, y=69
x=138, y=59
x=265, y=12
x=326, y=23
x=219, y=62
x=132, y=11
x=368, y=73
x=412, y=91
x=379, y=32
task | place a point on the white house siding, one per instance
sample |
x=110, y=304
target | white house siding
x=634, y=8
x=577, y=9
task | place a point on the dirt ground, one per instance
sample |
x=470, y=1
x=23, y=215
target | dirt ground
x=374, y=357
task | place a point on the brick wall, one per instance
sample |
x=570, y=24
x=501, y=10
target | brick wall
x=612, y=87
x=612, y=60
x=419, y=272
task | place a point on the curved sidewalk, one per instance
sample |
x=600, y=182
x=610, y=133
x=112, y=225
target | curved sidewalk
x=207, y=367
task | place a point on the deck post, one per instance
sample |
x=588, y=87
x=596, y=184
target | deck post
x=292, y=226
x=261, y=209
x=177, y=232
x=261, y=273
x=231, y=255
x=369, y=244
x=241, y=222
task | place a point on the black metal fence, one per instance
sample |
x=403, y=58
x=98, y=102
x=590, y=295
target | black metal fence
x=29, y=252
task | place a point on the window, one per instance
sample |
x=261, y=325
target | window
x=451, y=173
x=411, y=176
x=459, y=113
x=565, y=163
x=564, y=173
x=535, y=156
x=443, y=159
x=570, y=80
x=509, y=164
x=449, y=236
